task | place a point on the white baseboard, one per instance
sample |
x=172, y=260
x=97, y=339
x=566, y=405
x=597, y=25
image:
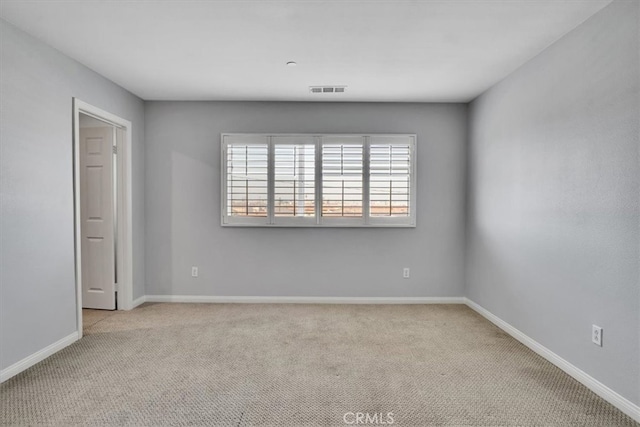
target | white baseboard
x=139, y=301
x=304, y=300
x=591, y=383
x=36, y=357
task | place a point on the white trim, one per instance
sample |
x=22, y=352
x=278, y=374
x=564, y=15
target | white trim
x=125, y=223
x=587, y=380
x=139, y=301
x=38, y=356
x=303, y=300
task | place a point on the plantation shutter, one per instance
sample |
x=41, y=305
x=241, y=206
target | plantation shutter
x=247, y=177
x=314, y=180
x=342, y=173
x=390, y=176
x=294, y=176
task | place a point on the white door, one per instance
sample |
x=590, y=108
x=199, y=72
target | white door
x=97, y=218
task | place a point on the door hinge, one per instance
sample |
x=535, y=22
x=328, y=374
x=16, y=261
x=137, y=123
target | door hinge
x=115, y=150
x=115, y=286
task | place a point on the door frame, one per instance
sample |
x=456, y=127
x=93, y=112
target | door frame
x=124, y=255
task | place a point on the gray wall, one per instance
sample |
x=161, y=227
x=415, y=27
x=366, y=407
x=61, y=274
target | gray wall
x=183, y=207
x=554, y=198
x=37, y=276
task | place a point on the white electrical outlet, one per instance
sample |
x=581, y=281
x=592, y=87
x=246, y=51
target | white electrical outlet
x=406, y=272
x=194, y=271
x=596, y=335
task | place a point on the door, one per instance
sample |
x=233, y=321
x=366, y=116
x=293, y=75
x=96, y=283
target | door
x=97, y=218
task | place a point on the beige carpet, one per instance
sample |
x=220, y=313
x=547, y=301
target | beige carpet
x=91, y=317
x=298, y=365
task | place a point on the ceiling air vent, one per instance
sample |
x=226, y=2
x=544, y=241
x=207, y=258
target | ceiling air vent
x=327, y=89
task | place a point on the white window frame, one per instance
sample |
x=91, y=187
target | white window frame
x=318, y=221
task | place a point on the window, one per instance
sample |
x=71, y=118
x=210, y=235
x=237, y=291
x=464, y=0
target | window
x=294, y=183
x=318, y=180
x=342, y=177
x=247, y=178
x=390, y=178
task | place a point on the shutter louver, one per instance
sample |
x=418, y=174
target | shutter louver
x=342, y=166
x=294, y=184
x=390, y=179
x=247, y=178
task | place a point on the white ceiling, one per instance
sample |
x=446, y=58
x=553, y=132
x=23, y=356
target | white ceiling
x=423, y=51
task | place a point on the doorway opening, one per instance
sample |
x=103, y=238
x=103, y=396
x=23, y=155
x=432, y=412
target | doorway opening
x=103, y=217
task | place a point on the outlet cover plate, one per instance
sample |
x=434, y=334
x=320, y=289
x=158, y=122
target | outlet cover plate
x=596, y=335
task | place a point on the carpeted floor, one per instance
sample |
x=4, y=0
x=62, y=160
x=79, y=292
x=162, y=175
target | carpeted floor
x=298, y=365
